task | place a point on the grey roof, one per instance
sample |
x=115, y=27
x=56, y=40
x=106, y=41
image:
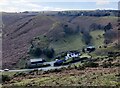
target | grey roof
x=91, y=47
x=36, y=60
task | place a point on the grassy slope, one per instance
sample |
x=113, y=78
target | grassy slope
x=89, y=77
x=95, y=39
x=71, y=80
x=73, y=42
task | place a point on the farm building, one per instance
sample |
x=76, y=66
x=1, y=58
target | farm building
x=35, y=62
x=72, y=55
x=90, y=48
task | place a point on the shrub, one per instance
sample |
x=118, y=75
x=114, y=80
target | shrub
x=49, y=52
x=68, y=30
x=5, y=78
x=109, y=36
x=108, y=27
x=86, y=37
x=36, y=52
x=63, y=68
x=106, y=64
x=90, y=64
x=95, y=26
x=70, y=67
x=55, y=70
x=19, y=74
x=116, y=63
x=80, y=67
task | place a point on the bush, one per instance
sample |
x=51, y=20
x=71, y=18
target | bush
x=116, y=63
x=36, y=52
x=54, y=70
x=80, y=67
x=70, y=67
x=86, y=37
x=90, y=64
x=106, y=64
x=108, y=27
x=49, y=52
x=20, y=74
x=95, y=26
x=5, y=78
x=109, y=36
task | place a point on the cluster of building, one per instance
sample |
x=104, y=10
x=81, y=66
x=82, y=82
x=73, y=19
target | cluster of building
x=70, y=54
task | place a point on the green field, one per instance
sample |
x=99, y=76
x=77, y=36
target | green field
x=73, y=42
x=96, y=40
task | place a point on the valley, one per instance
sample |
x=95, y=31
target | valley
x=82, y=46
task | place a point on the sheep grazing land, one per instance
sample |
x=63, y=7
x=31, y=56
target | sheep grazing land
x=60, y=48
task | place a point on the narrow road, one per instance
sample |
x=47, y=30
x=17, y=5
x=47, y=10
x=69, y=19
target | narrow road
x=42, y=68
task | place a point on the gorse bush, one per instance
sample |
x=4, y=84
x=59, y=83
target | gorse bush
x=22, y=74
x=5, y=78
x=90, y=64
x=106, y=64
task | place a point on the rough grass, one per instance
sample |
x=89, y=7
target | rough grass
x=89, y=77
x=103, y=51
x=85, y=55
x=7, y=73
x=73, y=42
x=21, y=64
x=111, y=17
x=96, y=40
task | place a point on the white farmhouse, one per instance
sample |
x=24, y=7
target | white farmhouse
x=72, y=55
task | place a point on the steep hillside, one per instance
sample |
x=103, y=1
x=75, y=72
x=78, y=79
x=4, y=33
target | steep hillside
x=63, y=33
x=17, y=37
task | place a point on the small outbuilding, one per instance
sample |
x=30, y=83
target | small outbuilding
x=90, y=48
x=35, y=62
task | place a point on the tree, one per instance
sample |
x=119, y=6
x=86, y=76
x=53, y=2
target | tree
x=95, y=26
x=83, y=50
x=86, y=38
x=108, y=27
x=5, y=78
x=67, y=29
x=49, y=52
x=36, y=52
x=71, y=30
x=109, y=36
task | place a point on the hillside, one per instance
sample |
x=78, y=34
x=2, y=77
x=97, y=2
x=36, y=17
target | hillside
x=71, y=77
x=63, y=33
